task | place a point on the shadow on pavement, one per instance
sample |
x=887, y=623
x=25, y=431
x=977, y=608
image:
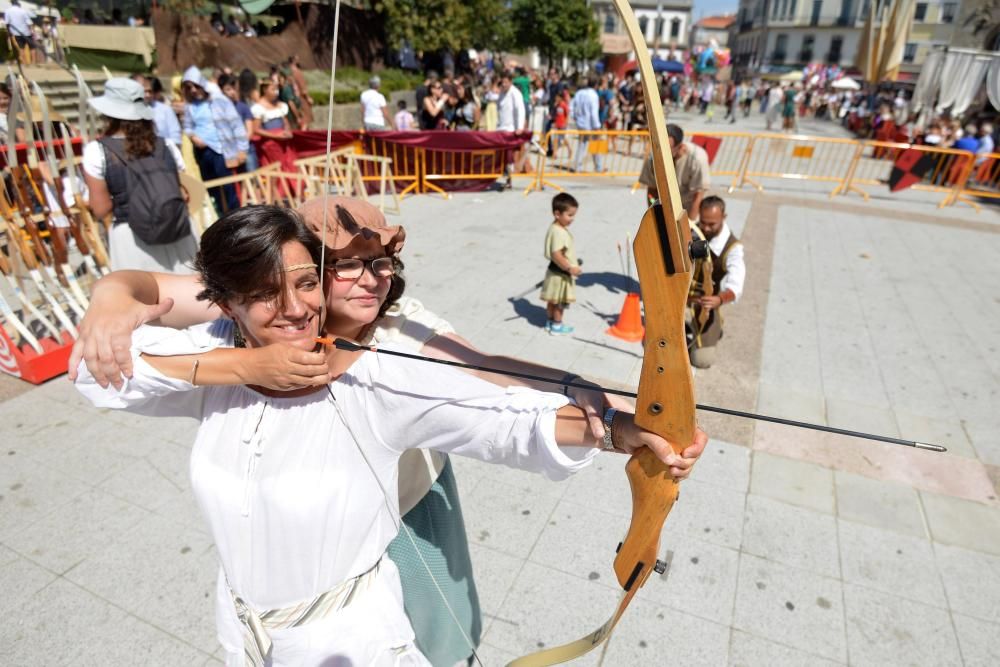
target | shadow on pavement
x=529, y=310
x=615, y=283
x=609, y=347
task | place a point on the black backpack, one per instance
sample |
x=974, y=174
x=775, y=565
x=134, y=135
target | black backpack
x=155, y=210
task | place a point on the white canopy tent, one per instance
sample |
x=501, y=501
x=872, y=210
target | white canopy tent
x=951, y=78
x=845, y=83
x=32, y=8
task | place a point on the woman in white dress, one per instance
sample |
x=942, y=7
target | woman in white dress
x=300, y=488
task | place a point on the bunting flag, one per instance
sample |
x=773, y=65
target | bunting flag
x=710, y=144
x=910, y=168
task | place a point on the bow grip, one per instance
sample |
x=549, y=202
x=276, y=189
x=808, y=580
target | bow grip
x=665, y=402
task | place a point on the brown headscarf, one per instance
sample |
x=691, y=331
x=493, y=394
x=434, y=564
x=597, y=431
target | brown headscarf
x=351, y=221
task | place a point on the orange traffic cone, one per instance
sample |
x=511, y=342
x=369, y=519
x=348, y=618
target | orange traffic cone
x=629, y=325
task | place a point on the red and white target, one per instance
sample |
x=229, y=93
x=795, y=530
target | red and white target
x=8, y=364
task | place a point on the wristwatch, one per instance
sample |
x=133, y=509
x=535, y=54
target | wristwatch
x=609, y=418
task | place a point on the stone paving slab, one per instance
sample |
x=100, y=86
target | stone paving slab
x=786, y=547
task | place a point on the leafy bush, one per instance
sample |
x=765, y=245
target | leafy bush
x=352, y=81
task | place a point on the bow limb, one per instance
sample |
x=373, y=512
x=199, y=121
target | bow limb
x=705, y=287
x=665, y=403
x=52, y=161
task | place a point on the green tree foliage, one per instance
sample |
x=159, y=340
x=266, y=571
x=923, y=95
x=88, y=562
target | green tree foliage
x=493, y=26
x=429, y=25
x=557, y=28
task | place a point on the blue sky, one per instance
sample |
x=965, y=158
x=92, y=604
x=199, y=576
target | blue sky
x=710, y=7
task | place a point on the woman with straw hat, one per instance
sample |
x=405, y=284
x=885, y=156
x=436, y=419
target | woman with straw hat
x=129, y=154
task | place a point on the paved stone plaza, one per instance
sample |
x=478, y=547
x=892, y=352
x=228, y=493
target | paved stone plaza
x=787, y=547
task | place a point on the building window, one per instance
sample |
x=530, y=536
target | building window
x=643, y=24
x=817, y=9
x=675, y=28
x=909, y=52
x=611, y=23
x=658, y=29
x=948, y=10
x=836, y=45
x=921, y=12
x=795, y=4
x=806, y=54
x=780, y=48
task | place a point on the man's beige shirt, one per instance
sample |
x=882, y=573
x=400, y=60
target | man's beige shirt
x=693, y=175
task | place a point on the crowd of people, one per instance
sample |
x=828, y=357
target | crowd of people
x=34, y=39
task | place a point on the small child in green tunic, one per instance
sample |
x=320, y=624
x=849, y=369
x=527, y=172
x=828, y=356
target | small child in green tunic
x=557, y=288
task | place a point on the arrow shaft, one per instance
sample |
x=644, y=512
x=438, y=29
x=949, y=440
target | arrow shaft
x=342, y=344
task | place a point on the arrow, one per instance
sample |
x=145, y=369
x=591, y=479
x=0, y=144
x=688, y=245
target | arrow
x=342, y=344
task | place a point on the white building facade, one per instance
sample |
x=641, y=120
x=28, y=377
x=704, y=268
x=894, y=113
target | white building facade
x=793, y=33
x=666, y=24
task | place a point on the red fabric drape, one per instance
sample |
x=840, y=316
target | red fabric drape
x=312, y=142
x=281, y=151
x=394, y=144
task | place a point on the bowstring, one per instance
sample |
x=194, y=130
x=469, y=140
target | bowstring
x=329, y=162
x=394, y=513
x=397, y=520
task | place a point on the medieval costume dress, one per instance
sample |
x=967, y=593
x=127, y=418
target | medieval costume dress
x=301, y=493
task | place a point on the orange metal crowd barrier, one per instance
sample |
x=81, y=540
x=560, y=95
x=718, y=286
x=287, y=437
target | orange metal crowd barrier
x=459, y=165
x=983, y=179
x=750, y=159
x=393, y=169
x=874, y=163
x=609, y=154
x=798, y=157
x=406, y=165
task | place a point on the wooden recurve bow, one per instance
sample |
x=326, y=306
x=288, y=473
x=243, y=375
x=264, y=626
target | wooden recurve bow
x=665, y=404
x=52, y=163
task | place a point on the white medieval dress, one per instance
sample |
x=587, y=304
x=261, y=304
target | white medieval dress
x=301, y=493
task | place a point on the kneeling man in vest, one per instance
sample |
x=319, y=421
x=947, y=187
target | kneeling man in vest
x=726, y=272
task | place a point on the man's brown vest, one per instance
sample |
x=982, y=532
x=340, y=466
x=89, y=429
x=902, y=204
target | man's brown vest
x=711, y=333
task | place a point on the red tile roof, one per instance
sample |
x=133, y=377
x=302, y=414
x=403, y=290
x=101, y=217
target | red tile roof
x=717, y=22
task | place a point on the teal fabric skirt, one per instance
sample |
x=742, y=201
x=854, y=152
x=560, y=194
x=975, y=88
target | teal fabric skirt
x=439, y=532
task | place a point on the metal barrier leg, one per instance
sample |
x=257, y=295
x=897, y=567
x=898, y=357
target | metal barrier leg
x=537, y=183
x=963, y=180
x=741, y=172
x=425, y=184
x=845, y=185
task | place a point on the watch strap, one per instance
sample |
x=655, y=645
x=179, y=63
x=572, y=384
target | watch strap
x=609, y=418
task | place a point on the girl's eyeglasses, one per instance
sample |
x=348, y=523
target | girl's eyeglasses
x=351, y=269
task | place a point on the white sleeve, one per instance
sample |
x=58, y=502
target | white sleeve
x=149, y=391
x=93, y=159
x=406, y=404
x=736, y=272
x=175, y=153
x=409, y=320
